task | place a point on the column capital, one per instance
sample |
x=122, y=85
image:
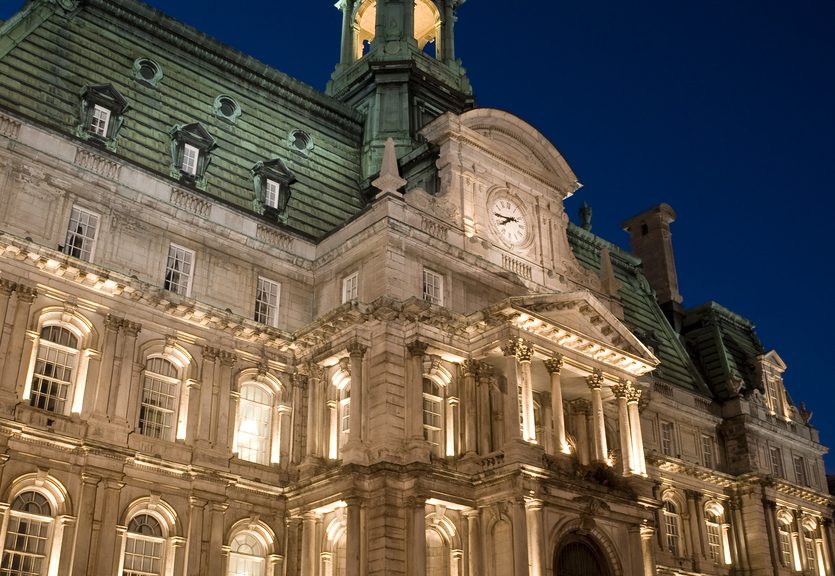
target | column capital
x=312, y=516
x=132, y=329
x=227, y=358
x=470, y=367
x=595, y=379
x=554, y=364
x=647, y=530
x=533, y=504
x=355, y=349
x=112, y=323
x=7, y=286
x=633, y=396
x=519, y=347
x=581, y=406
x=25, y=293
x=417, y=348
x=472, y=513
x=197, y=502
x=90, y=479
x=210, y=353
x=622, y=389
x=416, y=501
x=694, y=495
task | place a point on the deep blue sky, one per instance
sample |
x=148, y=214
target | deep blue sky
x=723, y=109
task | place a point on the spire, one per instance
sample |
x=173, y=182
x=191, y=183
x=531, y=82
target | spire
x=389, y=180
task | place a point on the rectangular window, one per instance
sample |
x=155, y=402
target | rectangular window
x=81, y=234
x=776, y=462
x=800, y=471
x=671, y=528
x=271, y=195
x=350, y=287
x=179, y=270
x=433, y=287
x=707, y=451
x=266, y=302
x=100, y=121
x=714, y=541
x=773, y=395
x=190, y=157
x=785, y=546
x=667, y=441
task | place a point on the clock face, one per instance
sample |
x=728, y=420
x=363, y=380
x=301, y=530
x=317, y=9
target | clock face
x=509, y=220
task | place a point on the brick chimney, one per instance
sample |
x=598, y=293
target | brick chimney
x=649, y=235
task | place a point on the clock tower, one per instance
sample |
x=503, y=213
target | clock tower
x=398, y=67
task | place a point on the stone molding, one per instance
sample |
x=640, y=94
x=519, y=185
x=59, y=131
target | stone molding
x=98, y=164
x=190, y=202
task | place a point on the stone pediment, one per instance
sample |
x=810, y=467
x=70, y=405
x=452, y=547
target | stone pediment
x=579, y=322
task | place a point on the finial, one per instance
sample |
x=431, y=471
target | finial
x=585, y=216
x=389, y=180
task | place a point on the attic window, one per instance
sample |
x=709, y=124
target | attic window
x=191, y=147
x=147, y=71
x=300, y=141
x=272, y=180
x=227, y=109
x=102, y=107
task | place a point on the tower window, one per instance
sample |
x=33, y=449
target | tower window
x=800, y=471
x=707, y=451
x=272, y=180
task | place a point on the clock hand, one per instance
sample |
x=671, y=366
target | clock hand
x=505, y=219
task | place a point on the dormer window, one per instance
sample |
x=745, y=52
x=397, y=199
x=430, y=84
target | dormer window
x=191, y=147
x=102, y=107
x=271, y=181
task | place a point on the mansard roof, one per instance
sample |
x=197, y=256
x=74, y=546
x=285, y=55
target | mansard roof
x=641, y=313
x=724, y=347
x=57, y=52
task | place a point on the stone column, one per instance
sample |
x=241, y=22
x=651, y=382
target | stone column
x=524, y=353
x=554, y=367
x=310, y=537
x=485, y=419
x=62, y=545
x=473, y=541
x=595, y=383
x=84, y=529
x=826, y=536
x=414, y=391
x=453, y=427
x=647, y=549
x=218, y=512
x=581, y=409
x=227, y=408
x=102, y=390
x=770, y=511
x=637, y=450
x=353, y=539
x=314, y=411
x=697, y=536
x=346, y=52
x=520, y=538
x=15, y=364
x=511, y=398
x=127, y=390
x=178, y=552
x=284, y=417
x=6, y=289
x=621, y=390
x=536, y=537
x=469, y=371
x=356, y=352
x=107, y=561
x=192, y=400
x=292, y=560
x=417, y=536
x=194, y=544
x=208, y=370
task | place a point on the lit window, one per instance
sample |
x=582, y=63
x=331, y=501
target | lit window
x=271, y=196
x=254, y=424
x=190, y=157
x=433, y=414
x=81, y=234
x=179, y=270
x=707, y=451
x=776, y=456
x=28, y=534
x=433, y=287
x=672, y=528
x=246, y=556
x=100, y=120
x=800, y=471
x=667, y=439
x=350, y=287
x=55, y=366
x=785, y=544
x=773, y=391
x=717, y=533
x=344, y=415
x=144, y=547
x=160, y=394
x=266, y=302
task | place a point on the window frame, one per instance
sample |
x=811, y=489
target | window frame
x=708, y=456
x=167, y=282
x=26, y=519
x=101, y=97
x=776, y=465
x=274, y=306
x=350, y=287
x=272, y=171
x=170, y=432
x=68, y=245
x=801, y=474
x=191, y=137
x=429, y=428
x=667, y=444
x=242, y=447
x=190, y=159
x=432, y=283
x=673, y=536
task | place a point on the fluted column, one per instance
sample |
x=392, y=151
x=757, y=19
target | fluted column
x=536, y=536
x=353, y=540
x=195, y=535
x=15, y=365
x=554, y=367
x=469, y=371
x=512, y=417
x=595, y=383
x=417, y=536
x=356, y=351
x=473, y=542
x=218, y=528
x=621, y=391
x=309, y=560
x=485, y=418
x=84, y=529
x=104, y=386
x=636, y=436
x=106, y=560
x=581, y=409
x=127, y=388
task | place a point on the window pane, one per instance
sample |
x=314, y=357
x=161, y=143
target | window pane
x=54, y=365
x=266, y=302
x=27, y=536
x=271, y=196
x=432, y=287
x=81, y=234
x=190, y=157
x=254, y=424
x=99, y=121
x=178, y=270
x=350, y=288
x=159, y=399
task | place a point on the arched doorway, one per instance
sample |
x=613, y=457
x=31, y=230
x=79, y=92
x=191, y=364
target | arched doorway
x=579, y=556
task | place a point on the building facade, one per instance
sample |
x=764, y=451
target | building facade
x=250, y=328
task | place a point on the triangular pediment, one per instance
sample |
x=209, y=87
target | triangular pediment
x=580, y=322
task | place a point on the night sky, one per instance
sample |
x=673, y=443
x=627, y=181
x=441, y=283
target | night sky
x=723, y=109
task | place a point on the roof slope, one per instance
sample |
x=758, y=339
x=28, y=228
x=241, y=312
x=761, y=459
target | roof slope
x=48, y=55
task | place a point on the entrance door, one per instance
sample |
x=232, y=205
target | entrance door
x=579, y=558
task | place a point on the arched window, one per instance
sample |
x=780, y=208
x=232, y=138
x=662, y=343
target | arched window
x=255, y=423
x=160, y=398
x=433, y=415
x=437, y=555
x=788, y=542
x=28, y=535
x=247, y=555
x=55, y=369
x=718, y=544
x=672, y=528
x=144, y=546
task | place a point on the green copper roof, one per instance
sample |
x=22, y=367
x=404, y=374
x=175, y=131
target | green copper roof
x=49, y=55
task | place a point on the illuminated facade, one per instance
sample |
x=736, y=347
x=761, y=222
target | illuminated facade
x=249, y=328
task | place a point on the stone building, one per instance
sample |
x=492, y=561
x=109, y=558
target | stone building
x=250, y=328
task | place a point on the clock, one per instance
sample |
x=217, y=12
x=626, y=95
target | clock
x=509, y=220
